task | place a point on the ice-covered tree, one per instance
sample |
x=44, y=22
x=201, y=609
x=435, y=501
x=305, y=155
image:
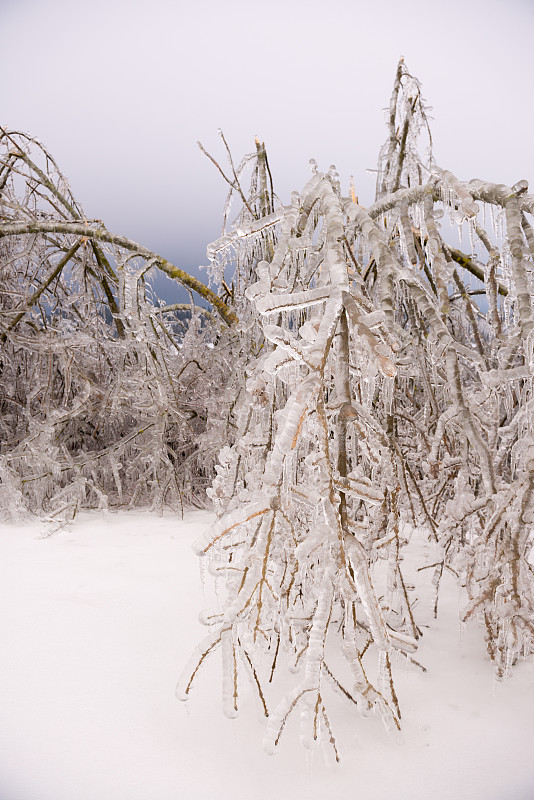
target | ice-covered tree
x=391, y=390
x=363, y=372
x=105, y=390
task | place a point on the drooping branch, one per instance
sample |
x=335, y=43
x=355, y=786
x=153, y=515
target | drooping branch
x=101, y=235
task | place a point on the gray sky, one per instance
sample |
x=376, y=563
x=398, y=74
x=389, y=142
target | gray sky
x=121, y=91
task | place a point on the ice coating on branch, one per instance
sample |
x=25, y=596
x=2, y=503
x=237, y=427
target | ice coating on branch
x=361, y=488
x=197, y=658
x=227, y=525
x=400, y=162
x=292, y=302
x=450, y=182
x=295, y=412
x=229, y=678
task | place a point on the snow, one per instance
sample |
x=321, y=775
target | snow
x=97, y=622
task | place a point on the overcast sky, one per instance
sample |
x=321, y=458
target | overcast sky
x=121, y=91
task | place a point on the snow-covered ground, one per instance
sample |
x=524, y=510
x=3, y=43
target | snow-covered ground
x=96, y=623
